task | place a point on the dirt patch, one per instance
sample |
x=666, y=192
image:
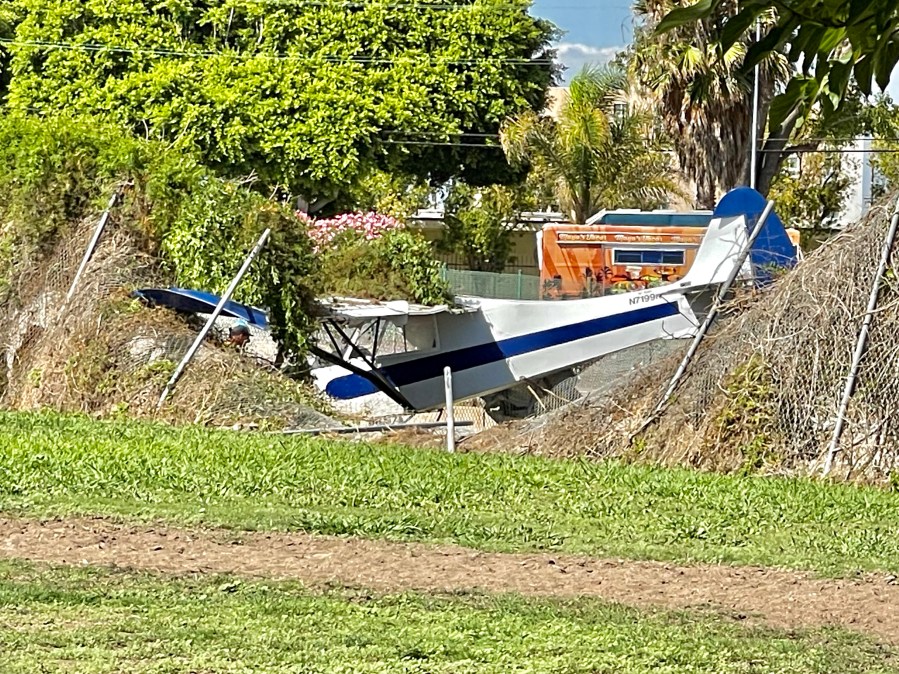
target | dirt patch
x=775, y=597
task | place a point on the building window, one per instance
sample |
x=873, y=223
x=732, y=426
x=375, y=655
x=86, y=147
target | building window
x=646, y=257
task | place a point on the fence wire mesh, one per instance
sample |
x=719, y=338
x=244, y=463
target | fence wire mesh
x=518, y=286
x=105, y=353
x=763, y=391
x=765, y=388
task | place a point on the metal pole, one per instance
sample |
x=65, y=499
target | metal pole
x=450, y=422
x=519, y=284
x=176, y=375
x=862, y=341
x=98, y=231
x=376, y=428
x=713, y=313
x=753, y=157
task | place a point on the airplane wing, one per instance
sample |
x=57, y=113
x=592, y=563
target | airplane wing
x=200, y=302
x=355, y=312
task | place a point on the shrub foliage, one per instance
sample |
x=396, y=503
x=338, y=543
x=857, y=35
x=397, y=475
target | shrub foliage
x=53, y=173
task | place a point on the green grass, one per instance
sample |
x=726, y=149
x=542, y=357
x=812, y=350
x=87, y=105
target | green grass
x=93, y=621
x=55, y=465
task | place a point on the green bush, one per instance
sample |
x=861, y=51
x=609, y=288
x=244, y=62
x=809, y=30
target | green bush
x=218, y=223
x=399, y=265
x=477, y=224
x=50, y=172
x=55, y=172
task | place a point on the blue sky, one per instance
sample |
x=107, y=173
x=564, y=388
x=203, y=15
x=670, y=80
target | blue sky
x=594, y=30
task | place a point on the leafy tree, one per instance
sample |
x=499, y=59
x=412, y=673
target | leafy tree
x=832, y=43
x=477, y=222
x=396, y=194
x=811, y=195
x=594, y=154
x=309, y=96
x=810, y=190
x=883, y=123
x=703, y=95
x=9, y=17
x=397, y=265
x=729, y=51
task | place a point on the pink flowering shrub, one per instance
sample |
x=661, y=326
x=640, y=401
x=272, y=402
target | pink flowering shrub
x=374, y=256
x=369, y=226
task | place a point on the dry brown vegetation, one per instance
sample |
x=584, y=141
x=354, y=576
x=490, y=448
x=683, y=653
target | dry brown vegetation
x=764, y=388
x=105, y=353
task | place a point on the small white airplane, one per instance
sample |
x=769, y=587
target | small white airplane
x=384, y=358
x=399, y=350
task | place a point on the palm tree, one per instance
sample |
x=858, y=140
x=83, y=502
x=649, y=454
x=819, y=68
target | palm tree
x=596, y=153
x=704, y=96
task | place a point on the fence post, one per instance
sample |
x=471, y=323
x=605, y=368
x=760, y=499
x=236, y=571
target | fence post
x=709, y=319
x=519, y=284
x=95, y=239
x=862, y=341
x=176, y=375
x=450, y=421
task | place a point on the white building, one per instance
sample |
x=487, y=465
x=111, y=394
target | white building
x=857, y=162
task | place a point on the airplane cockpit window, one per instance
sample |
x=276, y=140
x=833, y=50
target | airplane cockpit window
x=418, y=334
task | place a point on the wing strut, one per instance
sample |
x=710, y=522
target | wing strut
x=374, y=375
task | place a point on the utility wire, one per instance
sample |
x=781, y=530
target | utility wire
x=852, y=139
x=437, y=6
x=62, y=46
x=832, y=151
x=496, y=136
x=442, y=134
x=429, y=143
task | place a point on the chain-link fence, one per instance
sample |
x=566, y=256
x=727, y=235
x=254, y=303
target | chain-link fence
x=764, y=389
x=104, y=352
x=517, y=286
x=763, y=392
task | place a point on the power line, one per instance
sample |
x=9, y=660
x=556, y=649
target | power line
x=848, y=139
x=646, y=143
x=401, y=132
x=432, y=143
x=473, y=134
x=437, y=6
x=99, y=48
x=832, y=151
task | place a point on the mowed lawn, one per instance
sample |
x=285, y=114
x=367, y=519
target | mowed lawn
x=92, y=621
x=52, y=464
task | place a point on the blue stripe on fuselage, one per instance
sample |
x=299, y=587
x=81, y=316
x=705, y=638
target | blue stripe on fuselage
x=429, y=367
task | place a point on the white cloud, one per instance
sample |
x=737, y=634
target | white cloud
x=574, y=56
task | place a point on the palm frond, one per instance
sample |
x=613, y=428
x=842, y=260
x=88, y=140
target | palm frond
x=594, y=156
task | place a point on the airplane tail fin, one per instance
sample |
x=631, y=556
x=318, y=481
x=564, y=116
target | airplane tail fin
x=733, y=220
x=719, y=253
